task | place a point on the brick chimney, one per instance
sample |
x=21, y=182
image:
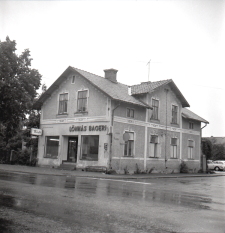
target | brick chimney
x=110, y=74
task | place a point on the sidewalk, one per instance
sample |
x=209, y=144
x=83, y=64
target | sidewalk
x=79, y=173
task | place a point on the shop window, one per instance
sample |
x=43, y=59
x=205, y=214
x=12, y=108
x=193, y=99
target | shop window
x=63, y=103
x=90, y=144
x=129, y=145
x=52, y=147
x=155, y=111
x=174, y=114
x=82, y=101
x=173, y=147
x=191, y=125
x=130, y=112
x=154, y=140
x=190, y=149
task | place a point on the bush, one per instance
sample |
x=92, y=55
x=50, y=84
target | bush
x=183, y=167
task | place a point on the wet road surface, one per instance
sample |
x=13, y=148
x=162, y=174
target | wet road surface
x=48, y=203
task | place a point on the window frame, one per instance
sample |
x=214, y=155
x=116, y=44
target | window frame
x=174, y=147
x=73, y=79
x=155, y=145
x=84, y=90
x=129, y=110
x=191, y=149
x=155, y=110
x=129, y=146
x=63, y=101
x=55, y=138
x=191, y=125
x=88, y=148
x=174, y=119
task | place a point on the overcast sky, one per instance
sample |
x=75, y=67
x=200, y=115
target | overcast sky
x=185, y=40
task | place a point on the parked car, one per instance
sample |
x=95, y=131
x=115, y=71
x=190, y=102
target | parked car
x=216, y=165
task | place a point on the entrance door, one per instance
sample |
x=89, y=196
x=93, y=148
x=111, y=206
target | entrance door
x=72, y=149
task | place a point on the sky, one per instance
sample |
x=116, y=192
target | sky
x=182, y=39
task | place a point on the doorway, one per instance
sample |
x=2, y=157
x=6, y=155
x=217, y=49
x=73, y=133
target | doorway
x=72, y=149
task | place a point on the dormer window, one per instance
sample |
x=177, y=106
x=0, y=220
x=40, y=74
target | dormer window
x=63, y=103
x=82, y=101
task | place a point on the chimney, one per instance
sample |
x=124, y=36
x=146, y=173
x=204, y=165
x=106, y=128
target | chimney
x=110, y=74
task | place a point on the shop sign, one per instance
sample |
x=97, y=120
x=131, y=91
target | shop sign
x=88, y=128
x=37, y=132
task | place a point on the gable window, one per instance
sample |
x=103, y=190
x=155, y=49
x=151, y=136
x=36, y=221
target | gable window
x=130, y=112
x=63, y=103
x=191, y=125
x=174, y=114
x=129, y=145
x=154, y=146
x=155, y=111
x=73, y=79
x=173, y=147
x=52, y=147
x=190, y=149
x=82, y=101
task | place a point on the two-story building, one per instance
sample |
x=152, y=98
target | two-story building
x=88, y=120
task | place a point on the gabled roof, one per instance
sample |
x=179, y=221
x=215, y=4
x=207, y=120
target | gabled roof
x=116, y=91
x=149, y=87
x=186, y=113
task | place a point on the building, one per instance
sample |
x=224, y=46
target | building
x=88, y=120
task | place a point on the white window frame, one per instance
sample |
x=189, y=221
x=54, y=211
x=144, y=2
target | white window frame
x=174, y=148
x=128, y=143
x=87, y=99
x=177, y=121
x=63, y=93
x=130, y=109
x=154, y=146
x=151, y=118
x=191, y=125
x=73, y=79
x=191, y=149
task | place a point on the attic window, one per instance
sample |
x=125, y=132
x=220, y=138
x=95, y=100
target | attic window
x=73, y=79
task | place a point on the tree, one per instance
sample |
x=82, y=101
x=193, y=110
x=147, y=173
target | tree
x=18, y=87
x=218, y=152
x=207, y=148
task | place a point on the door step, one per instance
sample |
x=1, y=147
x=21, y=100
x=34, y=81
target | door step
x=67, y=166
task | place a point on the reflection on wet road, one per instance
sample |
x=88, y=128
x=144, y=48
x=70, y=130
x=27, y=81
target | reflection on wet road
x=155, y=204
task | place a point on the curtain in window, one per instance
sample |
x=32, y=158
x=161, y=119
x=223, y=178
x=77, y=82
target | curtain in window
x=63, y=99
x=82, y=101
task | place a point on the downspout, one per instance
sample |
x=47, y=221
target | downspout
x=111, y=136
x=201, y=146
x=166, y=90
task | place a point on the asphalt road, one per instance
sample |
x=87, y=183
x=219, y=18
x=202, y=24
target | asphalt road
x=48, y=203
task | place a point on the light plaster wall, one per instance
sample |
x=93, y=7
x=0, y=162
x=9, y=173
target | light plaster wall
x=97, y=101
x=160, y=94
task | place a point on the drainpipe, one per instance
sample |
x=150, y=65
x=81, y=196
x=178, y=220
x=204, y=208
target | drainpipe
x=111, y=136
x=166, y=90
x=201, y=146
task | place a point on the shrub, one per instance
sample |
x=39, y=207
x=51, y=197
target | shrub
x=183, y=167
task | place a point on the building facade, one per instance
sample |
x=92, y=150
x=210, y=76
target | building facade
x=88, y=120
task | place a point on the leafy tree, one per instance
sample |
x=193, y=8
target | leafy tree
x=18, y=88
x=218, y=152
x=207, y=148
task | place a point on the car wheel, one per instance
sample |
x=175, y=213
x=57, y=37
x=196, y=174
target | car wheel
x=216, y=168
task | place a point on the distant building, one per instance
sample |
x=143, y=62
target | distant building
x=215, y=140
x=88, y=120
